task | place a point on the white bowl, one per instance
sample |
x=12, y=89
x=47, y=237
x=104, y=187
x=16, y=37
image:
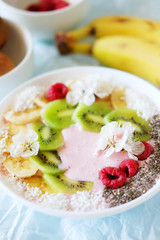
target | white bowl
x=44, y=24
x=134, y=82
x=19, y=48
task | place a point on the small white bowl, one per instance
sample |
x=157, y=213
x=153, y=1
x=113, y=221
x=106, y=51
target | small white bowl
x=44, y=24
x=63, y=75
x=19, y=48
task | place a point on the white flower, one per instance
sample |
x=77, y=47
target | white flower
x=115, y=137
x=81, y=92
x=84, y=91
x=102, y=88
x=25, y=145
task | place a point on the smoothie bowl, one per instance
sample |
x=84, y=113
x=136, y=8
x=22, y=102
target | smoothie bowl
x=81, y=142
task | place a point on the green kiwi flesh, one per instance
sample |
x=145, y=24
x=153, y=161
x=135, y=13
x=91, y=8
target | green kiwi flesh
x=142, y=129
x=91, y=118
x=48, y=138
x=63, y=184
x=47, y=162
x=58, y=114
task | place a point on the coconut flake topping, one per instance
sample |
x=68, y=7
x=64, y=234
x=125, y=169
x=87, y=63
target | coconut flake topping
x=26, y=99
x=144, y=107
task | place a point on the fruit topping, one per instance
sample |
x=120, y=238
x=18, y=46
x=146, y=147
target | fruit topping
x=38, y=182
x=57, y=91
x=142, y=129
x=58, y=114
x=112, y=177
x=28, y=116
x=147, y=152
x=61, y=183
x=118, y=98
x=20, y=167
x=48, y=138
x=130, y=167
x=47, y=162
x=91, y=118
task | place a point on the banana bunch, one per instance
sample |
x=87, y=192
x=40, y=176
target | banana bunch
x=126, y=43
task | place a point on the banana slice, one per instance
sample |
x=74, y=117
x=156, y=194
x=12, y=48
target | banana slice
x=13, y=130
x=41, y=102
x=118, y=98
x=23, y=117
x=20, y=167
x=39, y=182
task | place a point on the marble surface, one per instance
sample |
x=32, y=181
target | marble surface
x=141, y=223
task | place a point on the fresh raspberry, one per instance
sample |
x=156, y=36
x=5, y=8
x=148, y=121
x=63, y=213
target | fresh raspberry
x=58, y=4
x=46, y=5
x=130, y=167
x=147, y=151
x=112, y=177
x=57, y=91
x=33, y=8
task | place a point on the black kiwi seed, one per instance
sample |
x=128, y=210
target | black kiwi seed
x=45, y=160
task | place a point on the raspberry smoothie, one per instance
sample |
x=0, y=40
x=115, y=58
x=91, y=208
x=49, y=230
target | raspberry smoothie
x=81, y=158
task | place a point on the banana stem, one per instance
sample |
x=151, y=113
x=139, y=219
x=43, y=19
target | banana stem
x=67, y=45
x=80, y=33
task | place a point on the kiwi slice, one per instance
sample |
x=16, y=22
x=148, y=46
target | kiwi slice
x=58, y=114
x=91, y=118
x=47, y=162
x=63, y=184
x=48, y=138
x=142, y=129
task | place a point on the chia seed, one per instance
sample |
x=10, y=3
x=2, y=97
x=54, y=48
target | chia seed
x=144, y=179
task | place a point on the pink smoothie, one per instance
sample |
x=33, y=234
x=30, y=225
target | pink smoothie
x=80, y=157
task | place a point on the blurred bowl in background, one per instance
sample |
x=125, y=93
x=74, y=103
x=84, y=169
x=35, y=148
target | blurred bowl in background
x=18, y=48
x=44, y=25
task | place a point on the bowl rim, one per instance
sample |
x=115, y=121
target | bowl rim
x=95, y=213
x=29, y=46
x=45, y=13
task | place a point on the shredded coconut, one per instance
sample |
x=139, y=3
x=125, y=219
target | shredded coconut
x=80, y=201
x=144, y=107
x=87, y=201
x=3, y=139
x=25, y=99
x=55, y=201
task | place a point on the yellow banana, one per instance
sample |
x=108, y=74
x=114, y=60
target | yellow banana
x=13, y=130
x=137, y=56
x=41, y=102
x=118, y=98
x=39, y=182
x=111, y=25
x=25, y=117
x=20, y=167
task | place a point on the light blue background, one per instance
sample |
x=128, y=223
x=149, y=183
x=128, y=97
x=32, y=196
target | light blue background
x=141, y=223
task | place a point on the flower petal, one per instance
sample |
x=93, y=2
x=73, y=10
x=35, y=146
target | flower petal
x=109, y=151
